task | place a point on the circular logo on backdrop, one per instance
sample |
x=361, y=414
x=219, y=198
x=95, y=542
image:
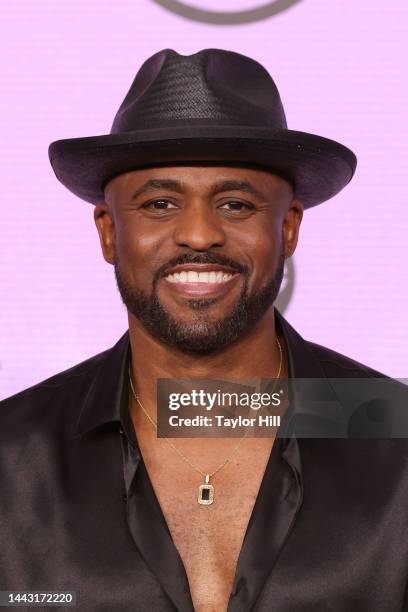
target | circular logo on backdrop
x=245, y=12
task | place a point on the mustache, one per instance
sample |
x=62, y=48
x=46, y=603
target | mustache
x=201, y=258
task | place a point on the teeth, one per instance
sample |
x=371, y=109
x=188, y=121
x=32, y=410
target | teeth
x=192, y=276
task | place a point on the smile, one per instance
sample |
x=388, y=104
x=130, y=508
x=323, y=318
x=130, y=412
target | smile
x=192, y=276
x=209, y=283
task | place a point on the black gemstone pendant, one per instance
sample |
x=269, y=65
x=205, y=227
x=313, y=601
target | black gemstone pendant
x=206, y=492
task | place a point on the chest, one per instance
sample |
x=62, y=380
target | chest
x=209, y=538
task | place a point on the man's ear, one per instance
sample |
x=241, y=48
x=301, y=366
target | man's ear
x=291, y=225
x=106, y=230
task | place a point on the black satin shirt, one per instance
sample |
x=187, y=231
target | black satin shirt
x=328, y=532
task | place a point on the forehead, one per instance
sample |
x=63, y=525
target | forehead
x=197, y=178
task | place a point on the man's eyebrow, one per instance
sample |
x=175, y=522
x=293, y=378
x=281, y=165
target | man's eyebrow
x=170, y=184
x=234, y=185
x=220, y=187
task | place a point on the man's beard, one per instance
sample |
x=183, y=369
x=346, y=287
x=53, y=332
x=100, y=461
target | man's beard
x=203, y=335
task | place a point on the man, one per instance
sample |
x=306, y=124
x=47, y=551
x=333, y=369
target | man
x=199, y=192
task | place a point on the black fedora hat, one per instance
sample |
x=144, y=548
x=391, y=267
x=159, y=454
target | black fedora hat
x=214, y=106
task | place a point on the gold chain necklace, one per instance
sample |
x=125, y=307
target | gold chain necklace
x=206, y=490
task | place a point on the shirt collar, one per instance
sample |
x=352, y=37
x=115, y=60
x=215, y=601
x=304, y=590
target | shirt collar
x=106, y=400
x=107, y=393
x=325, y=414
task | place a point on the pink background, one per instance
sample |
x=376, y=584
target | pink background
x=66, y=66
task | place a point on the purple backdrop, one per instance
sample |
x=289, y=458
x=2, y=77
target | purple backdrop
x=66, y=66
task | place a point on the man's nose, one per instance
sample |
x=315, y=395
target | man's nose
x=199, y=227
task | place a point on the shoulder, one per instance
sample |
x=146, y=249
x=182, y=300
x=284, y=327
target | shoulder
x=68, y=377
x=374, y=404
x=337, y=365
x=60, y=390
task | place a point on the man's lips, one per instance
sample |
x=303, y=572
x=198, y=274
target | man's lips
x=210, y=280
x=209, y=267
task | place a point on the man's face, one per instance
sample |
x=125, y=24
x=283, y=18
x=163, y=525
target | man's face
x=198, y=251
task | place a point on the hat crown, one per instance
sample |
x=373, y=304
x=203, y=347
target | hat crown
x=211, y=87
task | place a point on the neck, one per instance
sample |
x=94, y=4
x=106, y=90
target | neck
x=255, y=355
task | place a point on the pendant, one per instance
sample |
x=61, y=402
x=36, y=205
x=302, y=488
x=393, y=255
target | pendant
x=206, y=492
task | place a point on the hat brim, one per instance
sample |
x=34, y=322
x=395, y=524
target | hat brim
x=318, y=168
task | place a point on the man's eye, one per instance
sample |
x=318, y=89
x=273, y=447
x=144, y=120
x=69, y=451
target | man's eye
x=158, y=205
x=238, y=206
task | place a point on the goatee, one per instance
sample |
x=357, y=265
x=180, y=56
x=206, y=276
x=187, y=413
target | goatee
x=203, y=335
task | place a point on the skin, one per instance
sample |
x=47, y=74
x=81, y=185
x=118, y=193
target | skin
x=144, y=236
